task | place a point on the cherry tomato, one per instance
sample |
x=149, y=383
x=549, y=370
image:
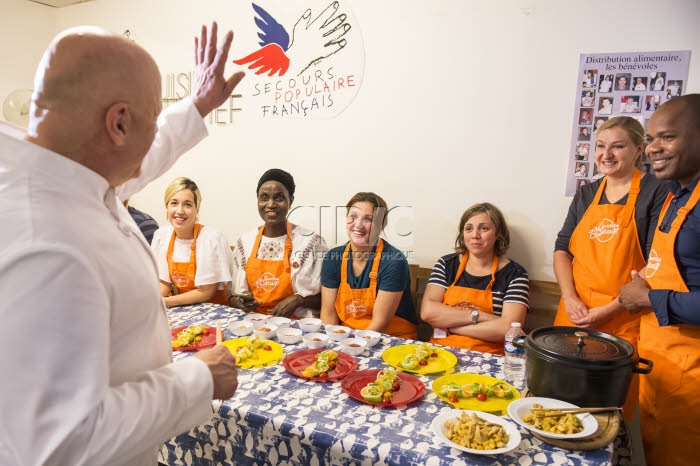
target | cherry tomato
x=323, y=375
x=332, y=364
x=453, y=399
x=239, y=348
x=386, y=401
x=267, y=348
x=423, y=362
x=434, y=355
x=481, y=396
x=396, y=386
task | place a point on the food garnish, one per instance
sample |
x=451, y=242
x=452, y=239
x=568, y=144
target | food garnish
x=247, y=351
x=476, y=433
x=189, y=336
x=454, y=392
x=419, y=357
x=382, y=389
x=553, y=421
x=325, y=361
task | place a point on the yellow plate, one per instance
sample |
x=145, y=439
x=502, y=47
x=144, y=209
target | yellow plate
x=261, y=357
x=491, y=405
x=444, y=360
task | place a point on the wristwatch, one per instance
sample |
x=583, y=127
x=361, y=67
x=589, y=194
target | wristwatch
x=475, y=316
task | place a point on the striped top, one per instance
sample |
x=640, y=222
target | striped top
x=512, y=284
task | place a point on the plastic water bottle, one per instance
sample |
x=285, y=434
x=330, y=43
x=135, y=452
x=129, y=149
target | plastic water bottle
x=514, y=367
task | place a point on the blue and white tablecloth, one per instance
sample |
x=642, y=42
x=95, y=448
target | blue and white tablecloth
x=277, y=418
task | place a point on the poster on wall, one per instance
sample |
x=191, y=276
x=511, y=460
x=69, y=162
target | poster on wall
x=303, y=59
x=612, y=84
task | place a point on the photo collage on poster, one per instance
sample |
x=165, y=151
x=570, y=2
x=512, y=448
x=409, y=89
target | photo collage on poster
x=619, y=84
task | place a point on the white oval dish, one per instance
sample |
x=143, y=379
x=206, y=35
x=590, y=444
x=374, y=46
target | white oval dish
x=338, y=332
x=289, y=335
x=353, y=346
x=438, y=424
x=315, y=340
x=310, y=324
x=265, y=330
x=240, y=328
x=520, y=407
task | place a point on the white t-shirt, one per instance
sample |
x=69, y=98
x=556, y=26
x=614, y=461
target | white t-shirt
x=308, y=249
x=212, y=255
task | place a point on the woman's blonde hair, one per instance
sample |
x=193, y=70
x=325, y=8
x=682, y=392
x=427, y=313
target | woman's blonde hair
x=632, y=127
x=177, y=185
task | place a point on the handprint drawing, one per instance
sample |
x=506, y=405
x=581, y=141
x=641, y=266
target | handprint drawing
x=313, y=40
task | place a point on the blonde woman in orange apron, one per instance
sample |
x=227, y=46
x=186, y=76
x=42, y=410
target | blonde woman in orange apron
x=605, y=236
x=366, y=282
x=474, y=294
x=277, y=267
x=670, y=330
x=194, y=262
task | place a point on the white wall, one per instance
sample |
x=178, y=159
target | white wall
x=462, y=101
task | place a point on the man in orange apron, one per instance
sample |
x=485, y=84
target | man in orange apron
x=670, y=330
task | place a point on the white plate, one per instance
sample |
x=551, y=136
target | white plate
x=437, y=426
x=519, y=408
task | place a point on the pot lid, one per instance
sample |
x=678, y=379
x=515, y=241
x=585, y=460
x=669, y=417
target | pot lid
x=578, y=344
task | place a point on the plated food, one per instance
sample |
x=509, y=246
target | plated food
x=476, y=432
x=298, y=361
x=401, y=357
x=324, y=362
x=476, y=392
x=553, y=424
x=254, y=351
x=193, y=337
x=405, y=388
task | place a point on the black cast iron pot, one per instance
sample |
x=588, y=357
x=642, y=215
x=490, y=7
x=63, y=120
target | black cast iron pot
x=581, y=366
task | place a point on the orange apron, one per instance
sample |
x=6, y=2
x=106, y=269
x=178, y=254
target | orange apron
x=605, y=246
x=182, y=273
x=269, y=281
x=355, y=305
x=670, y=393
x=483, y=299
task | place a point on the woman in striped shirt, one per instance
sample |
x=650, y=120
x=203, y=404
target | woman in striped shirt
x=474, y=294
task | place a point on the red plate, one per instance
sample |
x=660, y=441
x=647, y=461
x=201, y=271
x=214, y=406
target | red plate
x=208, y=339
x=299, y=360
x=411, y=388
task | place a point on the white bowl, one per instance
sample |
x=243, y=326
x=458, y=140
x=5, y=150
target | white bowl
x=240, y=328
x=314, y=340
x=280, y=321
x=338, y=332
x=265, y=330
x=520, y=407
x=369, y=336
x=310, y=324
x=438, y=428
x=256, y=318
x=289, y=335
x=353, y=346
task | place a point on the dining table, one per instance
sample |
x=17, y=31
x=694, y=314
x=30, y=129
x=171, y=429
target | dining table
x=278, y=418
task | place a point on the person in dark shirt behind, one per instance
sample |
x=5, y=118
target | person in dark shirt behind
x=145, y=222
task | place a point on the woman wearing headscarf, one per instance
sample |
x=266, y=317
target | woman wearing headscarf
x=277, y=266
x=194, y=261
